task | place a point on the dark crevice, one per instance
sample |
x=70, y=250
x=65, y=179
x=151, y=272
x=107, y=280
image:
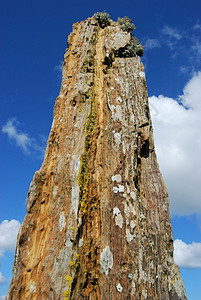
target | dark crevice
x=144, y=151
x=144, y=125
x=108, y=61
x=147, y=112
x=73, y=286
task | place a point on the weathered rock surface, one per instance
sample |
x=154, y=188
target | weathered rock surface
x=98, y=223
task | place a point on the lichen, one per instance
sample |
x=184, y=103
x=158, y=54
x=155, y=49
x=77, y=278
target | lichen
x=83, y=178
x=66, y=295
x=77, y=262
x=82, y=181
x=89, y=63
x=90, y=126
x=119, y=288
x=70, y=263
x=106, y=260
x=69, y=279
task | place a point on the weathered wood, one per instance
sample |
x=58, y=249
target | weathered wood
x=98, y=223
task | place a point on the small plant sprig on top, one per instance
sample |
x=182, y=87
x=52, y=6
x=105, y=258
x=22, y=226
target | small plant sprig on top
x=126, y=24
x=134, y=48
x=103, y=19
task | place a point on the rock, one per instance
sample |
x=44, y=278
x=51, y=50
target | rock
x=98, y=223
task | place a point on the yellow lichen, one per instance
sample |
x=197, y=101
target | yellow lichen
x=82, y=181
x=69, y=279
x=77, y=263
x=83, y=178
x=66, y=294
x=70, y=263
x=90, y=126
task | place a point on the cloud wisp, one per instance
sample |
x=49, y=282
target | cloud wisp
x=187, y=255
x=8, y=239
x=21, y=139
x=150, y=44
x=183, y=43
x=172, y=33
x=58, y=68
x=177, y=132
x=2, y=279
x=8, y=235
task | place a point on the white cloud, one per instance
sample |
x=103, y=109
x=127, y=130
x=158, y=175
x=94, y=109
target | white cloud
x=172, y=33
x=172, y=37
x=8, y=239
x=8, y=235
x=2, y=280
x=187, y=255
x=21, y=139
x=177, y=133
x=151, y=44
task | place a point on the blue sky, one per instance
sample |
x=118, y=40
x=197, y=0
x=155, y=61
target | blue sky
x=33, y=42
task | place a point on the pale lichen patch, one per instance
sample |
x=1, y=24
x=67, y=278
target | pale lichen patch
x=119, y=287
x=106, y=260
x=133, y=118
x=32, y=287
x=129, y=236
x=117, y=113
x=119, y=188
x=119, y=99
x=115, y=189
x=142, y=74
x=75, y=199
x=117, y=137
x=55, y=190
x=62, y=221
x=116, y=211
x=81, y=242
x=132, y=224
x=116, y=178
x=59, y=166
x=118, y=217
x=133, y=195
x=129, y=209
x=119, y=220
